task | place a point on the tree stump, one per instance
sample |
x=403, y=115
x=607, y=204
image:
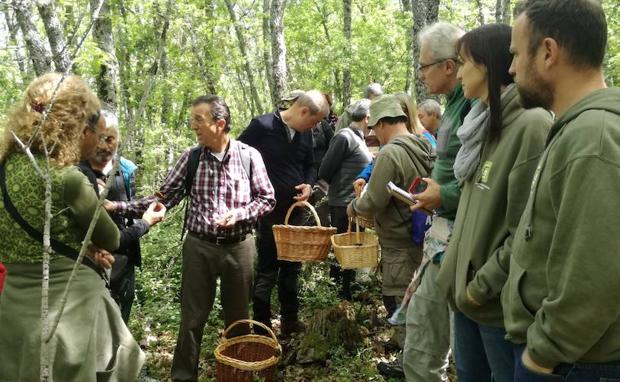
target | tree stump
x=328, y=329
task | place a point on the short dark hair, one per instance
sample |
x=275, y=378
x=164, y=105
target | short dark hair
x=219, y=108
x=93, y=120
x=489, y=45
x=579, y=26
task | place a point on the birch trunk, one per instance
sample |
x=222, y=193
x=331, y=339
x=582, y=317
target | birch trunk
x=55, y=35
x=267, y=51
x=278, y=48
x=257, y=108
x=18, y=54
x=38, y=51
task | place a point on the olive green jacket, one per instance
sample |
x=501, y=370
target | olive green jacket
x=477, y=258
x=561, y=293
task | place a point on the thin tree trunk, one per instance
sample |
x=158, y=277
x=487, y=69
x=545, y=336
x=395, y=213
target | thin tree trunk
x=507, y=12
x=55, y=35
x=481, y=19
x=267, y=51
x=406, y=4
x=124, y=71
x=278, y=48
x=208, y=78
x=107, y=76
x=39, y=54
x=137, y=136
x=346, y=72
x=257, y=107
x=18, y=54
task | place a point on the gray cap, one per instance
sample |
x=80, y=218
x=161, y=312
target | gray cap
x=385, y=106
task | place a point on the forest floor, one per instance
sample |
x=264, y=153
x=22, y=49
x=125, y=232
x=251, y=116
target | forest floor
x=318, y=292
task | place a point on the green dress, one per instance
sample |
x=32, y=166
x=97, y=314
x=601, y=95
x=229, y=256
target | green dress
x=91, y=342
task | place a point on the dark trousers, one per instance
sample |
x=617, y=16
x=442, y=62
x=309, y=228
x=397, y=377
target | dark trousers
x=203, y=264
x=123, y=284
x=567, y=372
x=340, y=220
x=481, y=353
x=270, y=270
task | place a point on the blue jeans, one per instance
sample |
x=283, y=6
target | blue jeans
x=566, y=372
x=481, y=353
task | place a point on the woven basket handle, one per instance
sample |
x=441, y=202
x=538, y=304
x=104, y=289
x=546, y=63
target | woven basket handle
x=357, y=228
x=250, y=322
x=303, y=204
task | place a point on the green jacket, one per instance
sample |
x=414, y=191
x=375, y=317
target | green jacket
x=448, y=146
x=73, y=205
x=394, y=163
x=491, y=205
x=560, y=296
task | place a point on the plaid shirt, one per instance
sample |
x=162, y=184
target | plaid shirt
x=218, y=188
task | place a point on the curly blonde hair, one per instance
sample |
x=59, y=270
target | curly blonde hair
x=75, y=107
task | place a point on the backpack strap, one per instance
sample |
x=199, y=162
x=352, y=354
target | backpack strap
x=57, y=246
x=246, y=160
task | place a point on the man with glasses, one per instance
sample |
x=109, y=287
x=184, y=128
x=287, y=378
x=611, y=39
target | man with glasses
x=97, y=168
x=225, y=202
x=427, y=342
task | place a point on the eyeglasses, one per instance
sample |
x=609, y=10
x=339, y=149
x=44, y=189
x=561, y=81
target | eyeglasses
x=421, y=67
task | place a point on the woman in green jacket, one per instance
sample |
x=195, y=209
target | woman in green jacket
x=59, y=118
x=502, y=143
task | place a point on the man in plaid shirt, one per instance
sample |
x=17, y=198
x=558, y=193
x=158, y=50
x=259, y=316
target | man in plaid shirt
x=226, y=200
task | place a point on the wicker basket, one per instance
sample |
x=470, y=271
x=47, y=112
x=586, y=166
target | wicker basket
x=247, y=358
x=356, y=249
x=302, y=243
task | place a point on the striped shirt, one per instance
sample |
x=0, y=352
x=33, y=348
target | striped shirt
x=218, y=187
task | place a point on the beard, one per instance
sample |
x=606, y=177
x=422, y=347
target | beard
x=536, y=93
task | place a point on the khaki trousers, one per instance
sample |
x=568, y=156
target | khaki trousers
x=203, y=264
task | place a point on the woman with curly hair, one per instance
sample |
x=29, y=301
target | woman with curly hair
x=91, y=342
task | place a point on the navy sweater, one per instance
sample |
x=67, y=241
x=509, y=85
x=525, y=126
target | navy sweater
x=288, y=162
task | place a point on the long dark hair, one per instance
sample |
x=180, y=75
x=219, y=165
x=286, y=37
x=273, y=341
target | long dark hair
x=489, y=45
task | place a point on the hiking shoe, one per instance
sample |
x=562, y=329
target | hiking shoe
x=289, y=327
x=391, y=369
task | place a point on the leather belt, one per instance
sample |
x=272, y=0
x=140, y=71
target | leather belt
x=219, y=240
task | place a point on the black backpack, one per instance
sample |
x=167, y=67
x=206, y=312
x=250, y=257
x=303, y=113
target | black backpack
x=192, y=167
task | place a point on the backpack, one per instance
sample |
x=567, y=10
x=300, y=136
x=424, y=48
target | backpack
x=192, y=167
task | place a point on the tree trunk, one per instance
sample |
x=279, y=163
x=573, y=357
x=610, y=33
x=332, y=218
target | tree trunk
x=107, y=77
x=39, y=54
x=481, y=19
x=346, y=72
x=137, y=138
x=278, y=49
x=55, y=35
x=18, y=54
x=507, y=11
x=257, y=108
x=502, y=11
x=267, y=51
x=406, y=5
x=424, y=12
x=208, y=78
x=124, y=71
